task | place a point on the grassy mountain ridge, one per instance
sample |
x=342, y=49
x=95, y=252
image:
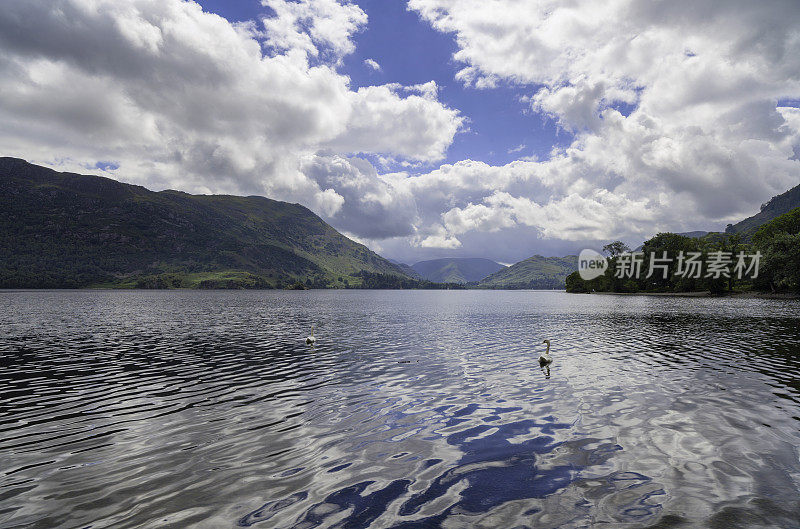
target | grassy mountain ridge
x=536, y=272
x=456, y=270
x=407, y=270
x=69, y=230
x=775, y=207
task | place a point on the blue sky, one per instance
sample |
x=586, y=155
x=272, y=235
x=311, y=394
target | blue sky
x=409, y=52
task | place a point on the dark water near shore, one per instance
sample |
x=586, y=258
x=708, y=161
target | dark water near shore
x=415, y=409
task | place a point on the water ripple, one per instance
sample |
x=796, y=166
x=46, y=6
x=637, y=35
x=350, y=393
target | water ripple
x=413, y=410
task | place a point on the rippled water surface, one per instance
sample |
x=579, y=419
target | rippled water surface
x=414, y=409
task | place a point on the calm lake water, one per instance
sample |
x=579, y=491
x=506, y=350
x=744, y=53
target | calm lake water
x=415, y=409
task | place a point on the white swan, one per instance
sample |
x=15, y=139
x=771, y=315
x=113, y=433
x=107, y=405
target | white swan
x=311, y=339
x=544, y=359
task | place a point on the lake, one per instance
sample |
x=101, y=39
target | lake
x=415, y=409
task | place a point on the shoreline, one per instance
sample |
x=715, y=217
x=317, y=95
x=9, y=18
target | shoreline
x=704, y=294
x=701, y=294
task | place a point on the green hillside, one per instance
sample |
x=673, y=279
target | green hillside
x=407, y=270
x=536, y=272
x=456, y=270
x=66, y=230
x=777, y=206
x=777, y=242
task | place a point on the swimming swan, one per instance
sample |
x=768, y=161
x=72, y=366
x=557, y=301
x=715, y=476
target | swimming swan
x=311, y=339
x=544, y=359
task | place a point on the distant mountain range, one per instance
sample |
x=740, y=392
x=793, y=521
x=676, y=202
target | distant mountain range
x=456, y=270
x=539, y=272
x=67, y=230
x=694, y=234
x=410, y=272
x=536, y=272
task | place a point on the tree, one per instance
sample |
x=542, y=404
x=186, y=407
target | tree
x=779, y=242
x=672, y=244
x=734, y=244
x=575, y=284
x=615, y=248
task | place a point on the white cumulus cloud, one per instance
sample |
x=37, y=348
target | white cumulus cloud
x=673, y=107
x=373, y=64
x=182, y=98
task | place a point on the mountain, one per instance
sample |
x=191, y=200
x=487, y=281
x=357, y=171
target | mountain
x=67, y=230
x=407, y=270
x=456, y=270
x=536, y=272
x=775, y=207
